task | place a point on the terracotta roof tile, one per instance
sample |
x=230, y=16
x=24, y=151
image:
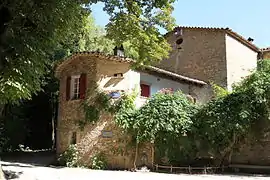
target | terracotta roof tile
x=175, y=75
x=265, y=49
x=172, y=75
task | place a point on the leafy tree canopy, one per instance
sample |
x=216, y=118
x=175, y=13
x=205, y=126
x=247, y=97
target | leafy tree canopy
x=31, y=31
x=187, y=131
x=225, y=121
x=163, y=113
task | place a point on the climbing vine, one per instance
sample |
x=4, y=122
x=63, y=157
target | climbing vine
x=165, y=119
x=96, y=102
x=183, y=131
x=223, y=123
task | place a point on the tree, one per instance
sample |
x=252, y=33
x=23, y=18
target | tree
x=22, y=116
x=30, y=31
x=223, y=123
x=166, y=120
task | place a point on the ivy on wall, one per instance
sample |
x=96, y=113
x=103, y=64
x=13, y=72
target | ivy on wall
x=165, y=120
x=183, y=131
x=95, y=103
x=98, y=102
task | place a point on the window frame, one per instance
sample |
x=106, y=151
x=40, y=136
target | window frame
x=75, y=95
x=149, y=86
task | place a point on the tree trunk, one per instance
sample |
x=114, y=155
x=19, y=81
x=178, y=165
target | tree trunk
x=2, y=175
x=2, y=108
x=228, y=150
x=136, y=155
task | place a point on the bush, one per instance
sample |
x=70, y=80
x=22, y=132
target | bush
x=98, y=162
x=166, y=120
x=70, y=157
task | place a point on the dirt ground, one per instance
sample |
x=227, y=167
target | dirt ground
x=35, y=166
x=30, y=172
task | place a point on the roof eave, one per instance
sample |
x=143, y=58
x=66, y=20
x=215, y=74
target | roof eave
x=174, y=76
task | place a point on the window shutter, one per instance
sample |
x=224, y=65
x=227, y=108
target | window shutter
x=68, y=88
x=145, y=90
x=82, y=89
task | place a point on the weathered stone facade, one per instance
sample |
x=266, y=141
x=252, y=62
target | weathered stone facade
x=265, y=53
x=210, y=54
x=117, y=149
x=255, y=148
x=203, y=53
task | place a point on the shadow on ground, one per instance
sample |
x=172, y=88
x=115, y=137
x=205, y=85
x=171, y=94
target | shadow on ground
x=33, y=158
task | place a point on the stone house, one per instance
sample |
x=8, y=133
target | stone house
x=199, y=55
x=265, y=53
x=82, y=71
x=210, y=54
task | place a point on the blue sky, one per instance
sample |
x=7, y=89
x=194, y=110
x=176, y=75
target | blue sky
x=247, y=17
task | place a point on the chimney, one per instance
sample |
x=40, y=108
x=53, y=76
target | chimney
x=250, y=39
x=119, y=51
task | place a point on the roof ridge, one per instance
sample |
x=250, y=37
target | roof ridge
x=227, y=30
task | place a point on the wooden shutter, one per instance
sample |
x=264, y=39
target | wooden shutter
x=68, y=88
x=82, y=89
x=145, y=90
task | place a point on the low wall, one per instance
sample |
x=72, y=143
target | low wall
x=107, y=138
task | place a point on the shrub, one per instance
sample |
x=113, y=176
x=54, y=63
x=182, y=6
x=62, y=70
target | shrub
x=98, y=162
x=70, y=157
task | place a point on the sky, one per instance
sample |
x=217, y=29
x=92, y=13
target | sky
x=248, y=18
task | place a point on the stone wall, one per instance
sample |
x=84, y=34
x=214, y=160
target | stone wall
x=255, y=148
x=202, y=55
x=118, y=148
x=69, y=112
x=241, y=61
x=265, y=54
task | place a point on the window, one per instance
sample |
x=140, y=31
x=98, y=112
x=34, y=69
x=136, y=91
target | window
x=145, y=90
x=179, y=41
x=73, y=138
x=75, y=87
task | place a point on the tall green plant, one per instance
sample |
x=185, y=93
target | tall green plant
x=226, y=120
x=165, y=120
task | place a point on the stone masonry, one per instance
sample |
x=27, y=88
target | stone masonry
x=203, y=53
x=118, y=149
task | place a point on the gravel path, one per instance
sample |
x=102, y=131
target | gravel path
x=29, y=172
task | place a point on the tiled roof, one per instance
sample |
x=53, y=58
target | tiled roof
x=227, y=30
x=172, y=75
x=67, y=60
x=175, y=75
x=265, y=49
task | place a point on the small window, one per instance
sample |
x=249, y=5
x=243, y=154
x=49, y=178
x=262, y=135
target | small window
x=75, y=87
x=118, y=75
x=179, y=41
x=145, y=90
x=74, y=138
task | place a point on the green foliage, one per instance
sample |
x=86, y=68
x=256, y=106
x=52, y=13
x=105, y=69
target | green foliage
x=164, y=113
x=95, y=103
x=70, y=157
x=92, y=38
x=137, y=22
x=98, y=162
x=219, y=91
x=175, y=124
x=32, y=31
x=226, y=120
x=165, y=120
x=125, y=110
